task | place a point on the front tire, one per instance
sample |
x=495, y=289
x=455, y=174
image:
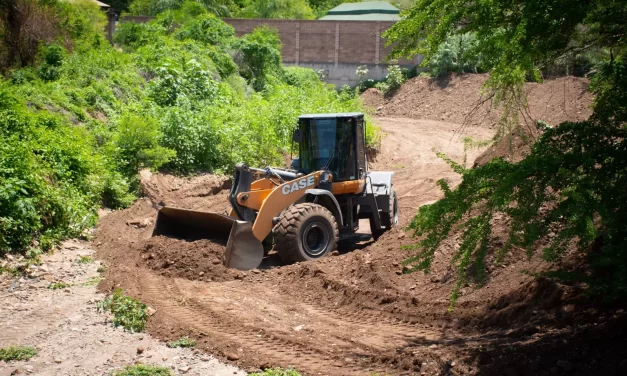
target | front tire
x=388, y=220
x=305, y=232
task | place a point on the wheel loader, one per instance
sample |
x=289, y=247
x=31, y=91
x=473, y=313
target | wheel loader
x=302, y=211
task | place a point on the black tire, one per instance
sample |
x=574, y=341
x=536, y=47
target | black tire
x=388, y=220
x=305, y=232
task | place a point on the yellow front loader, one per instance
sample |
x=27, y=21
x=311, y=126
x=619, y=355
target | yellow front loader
x=303, y=211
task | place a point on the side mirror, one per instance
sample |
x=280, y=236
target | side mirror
x=297, y=136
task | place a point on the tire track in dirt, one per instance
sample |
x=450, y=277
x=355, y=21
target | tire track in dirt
x=273, y=349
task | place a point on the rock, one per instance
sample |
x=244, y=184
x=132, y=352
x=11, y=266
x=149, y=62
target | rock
x=201, y=274
x=401, y=235
x=564, y=365
x=434, y=346
x=232, y=356
x=205, y=358
x=57, y=360
x=28, y=368
x=184, y=369
x=405, y=268
x=16, y=372
x=435, y=279
x=216, y=261
x=44, y=268
x=150, y=311
x=399, y=272
x=335, y=253
x=140, y=350
x=299, y=328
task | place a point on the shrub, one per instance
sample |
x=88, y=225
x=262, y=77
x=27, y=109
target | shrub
x=393, y=80
x=258, y=55
x=457, y=54
x=17, y=353
x=127, y=312
x=183, y=342
x=143, y=370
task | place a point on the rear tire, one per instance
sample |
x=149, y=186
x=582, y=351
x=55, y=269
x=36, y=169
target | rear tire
x=305, y=232
x=388, y=220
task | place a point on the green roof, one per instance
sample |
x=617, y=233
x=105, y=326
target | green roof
x=364, y=11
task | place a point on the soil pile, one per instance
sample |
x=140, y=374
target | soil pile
x=458, y=99
x=200, y=259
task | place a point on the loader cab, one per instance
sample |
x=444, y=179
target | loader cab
x=333, y=142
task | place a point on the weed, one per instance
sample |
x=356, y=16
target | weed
x=85, y=260
x=143, y=370
x=93, y=281
x=183, y=342
x=127, y=312
x=277, y=372
x=17, y=353
x=58, y=285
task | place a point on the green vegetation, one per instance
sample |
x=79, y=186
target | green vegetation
x=58, y=285
x=277, y=372
x=143, y=370
x=568, y=193
x=17, y=353
x=183, y=342
x=85, y=260
x=280, y=9
x=128, y=313
x=79, y=118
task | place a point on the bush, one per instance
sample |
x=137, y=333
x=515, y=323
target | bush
x=183, y=342
x=143, y=370
x=457, y=54
x=393, y=80
x=127, y=312
x=17, y=353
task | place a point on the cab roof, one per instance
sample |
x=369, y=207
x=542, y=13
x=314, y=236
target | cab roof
x=332, y=116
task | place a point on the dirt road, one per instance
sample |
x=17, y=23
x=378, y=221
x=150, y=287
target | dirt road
x=70, y=336
x=271, y=317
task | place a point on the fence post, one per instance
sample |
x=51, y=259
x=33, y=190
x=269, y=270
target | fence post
x=111, y=27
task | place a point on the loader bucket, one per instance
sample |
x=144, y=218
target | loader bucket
x=243, y=250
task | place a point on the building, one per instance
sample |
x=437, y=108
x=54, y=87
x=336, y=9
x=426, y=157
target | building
x=364, y=11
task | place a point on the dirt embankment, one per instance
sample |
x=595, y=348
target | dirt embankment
x=358, y=313
x=459, y=99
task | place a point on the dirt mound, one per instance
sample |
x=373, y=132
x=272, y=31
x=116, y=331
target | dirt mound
x=458, y=99
x=373, y=98
x=196, y=260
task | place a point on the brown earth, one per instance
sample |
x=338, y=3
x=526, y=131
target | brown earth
x=358, y=313
x=458, y=99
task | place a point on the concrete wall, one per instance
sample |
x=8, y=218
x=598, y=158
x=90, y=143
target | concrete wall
x=335, y=47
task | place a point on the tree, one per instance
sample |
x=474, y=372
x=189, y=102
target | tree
x=572, y=184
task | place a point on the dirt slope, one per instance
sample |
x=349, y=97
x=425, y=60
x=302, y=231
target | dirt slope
x=357, y=313
x=458, y=99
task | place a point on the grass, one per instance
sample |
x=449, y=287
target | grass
x=93, y=281
x=127, y=312
x=183, y=342
x=17, y=353
x=143, y=370
x=58, y=285
x=85, y=260
x=277, y=372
